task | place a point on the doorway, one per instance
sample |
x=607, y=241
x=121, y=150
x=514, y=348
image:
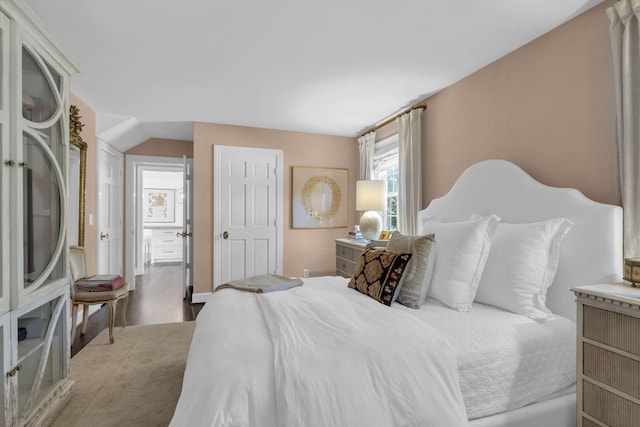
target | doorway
x=109, y=210
x=158, y=224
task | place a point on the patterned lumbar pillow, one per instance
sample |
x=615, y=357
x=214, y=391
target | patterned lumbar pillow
x=420, y=269
x=379, y=274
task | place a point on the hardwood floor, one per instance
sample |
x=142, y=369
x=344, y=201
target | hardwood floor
x=158, y=298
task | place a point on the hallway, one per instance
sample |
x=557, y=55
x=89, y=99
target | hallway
x=158, y=298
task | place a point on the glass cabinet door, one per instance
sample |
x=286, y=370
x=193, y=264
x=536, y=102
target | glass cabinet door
x=5, y=354
x=43, y=160
x=5, y=168
x=41, y=338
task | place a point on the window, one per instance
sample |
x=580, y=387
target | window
x=385, y=167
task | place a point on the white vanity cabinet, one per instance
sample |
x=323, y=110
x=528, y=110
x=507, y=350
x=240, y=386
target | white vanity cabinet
x=166, y=245
x=34, y=146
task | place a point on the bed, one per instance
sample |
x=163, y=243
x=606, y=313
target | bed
x=323, y=354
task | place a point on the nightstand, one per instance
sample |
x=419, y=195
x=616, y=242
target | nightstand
x=347, y=253
x=608, y=355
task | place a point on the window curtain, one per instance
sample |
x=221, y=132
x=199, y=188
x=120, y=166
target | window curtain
x=625, y=46
x=367, y=144
x=409, y=171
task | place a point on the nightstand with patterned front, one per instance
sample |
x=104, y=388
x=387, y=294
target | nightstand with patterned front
x=608, y=355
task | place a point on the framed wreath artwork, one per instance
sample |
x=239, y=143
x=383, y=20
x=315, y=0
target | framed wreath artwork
x=319, y=197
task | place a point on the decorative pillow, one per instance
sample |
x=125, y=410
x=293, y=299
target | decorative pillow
x=379, y=274
x=420, y=268
x=463, y=248
x=522, y=265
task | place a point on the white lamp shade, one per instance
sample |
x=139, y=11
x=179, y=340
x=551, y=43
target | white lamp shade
x=371, y=195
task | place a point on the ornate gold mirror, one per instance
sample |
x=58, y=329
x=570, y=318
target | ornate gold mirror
x=77, y=178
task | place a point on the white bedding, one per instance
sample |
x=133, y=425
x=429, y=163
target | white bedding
x=307, y=363
x=323, y=374
x=505, y=360
x=342, y=359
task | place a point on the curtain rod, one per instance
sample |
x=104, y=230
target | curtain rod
x=422, y=106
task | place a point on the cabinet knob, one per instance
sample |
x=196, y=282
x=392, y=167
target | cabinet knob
x=225, y=235
x=10, y=163
x=103, y=236
x=23, y=165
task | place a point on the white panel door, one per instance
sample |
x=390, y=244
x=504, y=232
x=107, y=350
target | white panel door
x=247, y=213
x=187, y=227
x=110, y=211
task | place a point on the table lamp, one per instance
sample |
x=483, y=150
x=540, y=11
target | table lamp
x=371, y=196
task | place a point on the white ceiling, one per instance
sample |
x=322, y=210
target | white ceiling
x=153, y=67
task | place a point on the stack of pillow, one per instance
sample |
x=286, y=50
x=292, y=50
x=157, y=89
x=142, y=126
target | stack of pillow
x=509, y=266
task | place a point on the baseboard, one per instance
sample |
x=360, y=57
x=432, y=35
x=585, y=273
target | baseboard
x=200, y=297
x=50, y=406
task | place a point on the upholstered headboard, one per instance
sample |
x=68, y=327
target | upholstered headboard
x=590, y=253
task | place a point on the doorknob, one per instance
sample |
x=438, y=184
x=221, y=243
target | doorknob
x=225, y=235
x=103, y=236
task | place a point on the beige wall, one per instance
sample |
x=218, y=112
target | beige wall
x=88, y=118
x=547, y=107
x=163, y=148
x=302, y=248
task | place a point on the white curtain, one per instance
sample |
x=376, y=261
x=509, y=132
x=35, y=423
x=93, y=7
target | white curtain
x=409, y=171
x=625, y=46
x=367, y=144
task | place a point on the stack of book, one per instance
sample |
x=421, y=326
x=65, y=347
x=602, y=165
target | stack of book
x=356, y=236
x=99, y=283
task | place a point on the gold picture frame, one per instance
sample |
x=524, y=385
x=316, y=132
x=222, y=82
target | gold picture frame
x=385, y=235
x=77, y=186
x=319, y=197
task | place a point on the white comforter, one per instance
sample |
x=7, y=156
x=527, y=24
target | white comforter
x=317, y=355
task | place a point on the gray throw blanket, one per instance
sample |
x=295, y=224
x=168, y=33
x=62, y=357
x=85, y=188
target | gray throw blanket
x=262, y=283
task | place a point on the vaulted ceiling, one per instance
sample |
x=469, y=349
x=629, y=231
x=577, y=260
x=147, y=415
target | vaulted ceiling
x=153, y=67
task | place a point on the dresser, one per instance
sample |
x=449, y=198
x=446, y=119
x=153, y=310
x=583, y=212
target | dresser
x=608, y=355
x=166, y=245
x=347, y=253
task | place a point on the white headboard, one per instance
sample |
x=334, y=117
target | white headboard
x=590, y=253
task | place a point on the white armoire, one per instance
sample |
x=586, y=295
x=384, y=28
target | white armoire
x=34, y=143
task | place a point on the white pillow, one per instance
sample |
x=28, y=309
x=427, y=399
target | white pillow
x=417, y=275
x=522, y=265
x=463, y=248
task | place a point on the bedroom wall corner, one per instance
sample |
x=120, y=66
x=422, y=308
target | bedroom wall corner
x=302, y=248
x=88, y=118
x=162, y=148
x=549, y=107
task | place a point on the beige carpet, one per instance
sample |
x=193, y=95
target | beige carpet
x=135, y=381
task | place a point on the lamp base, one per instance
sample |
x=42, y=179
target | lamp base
x=371, y=225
